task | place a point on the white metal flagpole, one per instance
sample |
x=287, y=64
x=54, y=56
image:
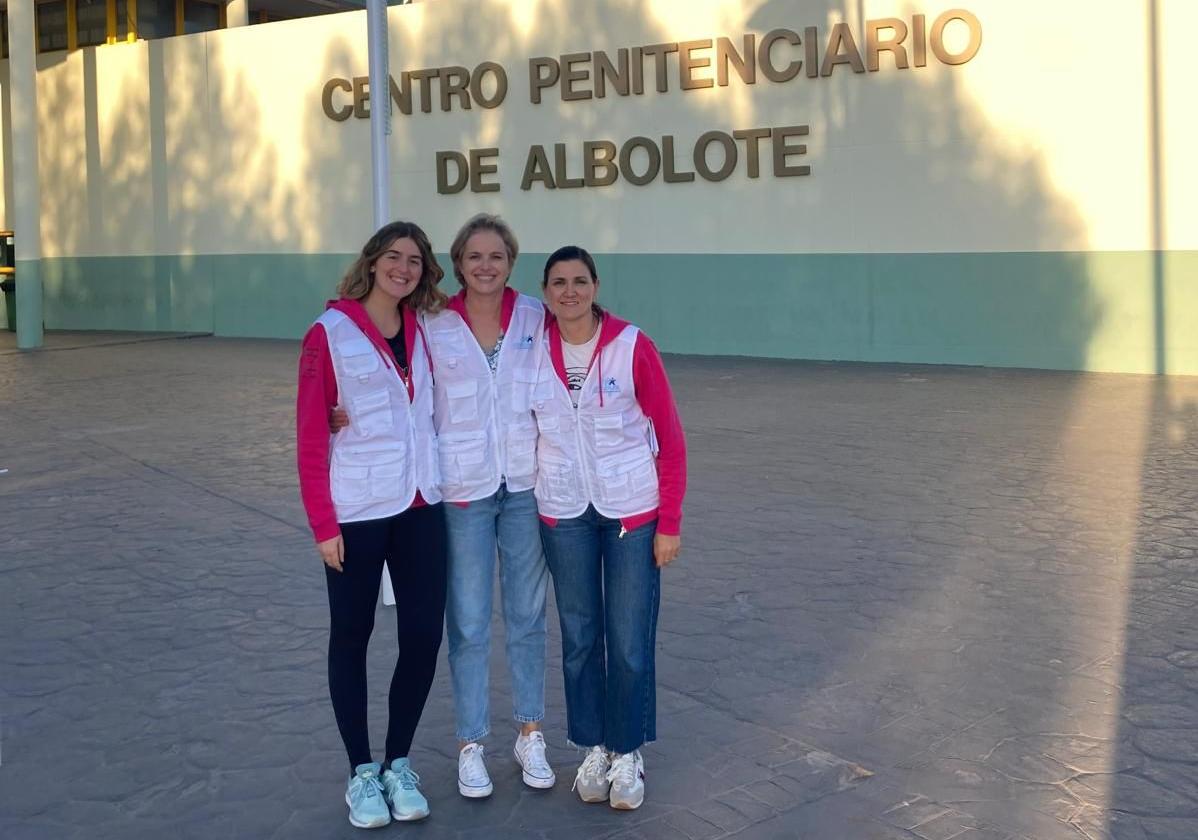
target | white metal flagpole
x=380, y=107
x=380, y=130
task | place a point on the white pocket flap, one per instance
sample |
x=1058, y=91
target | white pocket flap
x=624, y=463
x=358, y=357
x=449, y=341
x=371, y=401
x=370, y=456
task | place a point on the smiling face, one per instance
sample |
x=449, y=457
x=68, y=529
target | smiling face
x=570, y=290
x=397, y=270
x=485, y=264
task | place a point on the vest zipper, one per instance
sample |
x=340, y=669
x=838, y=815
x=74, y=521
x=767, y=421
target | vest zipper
x=501, y=445
x=586, y=479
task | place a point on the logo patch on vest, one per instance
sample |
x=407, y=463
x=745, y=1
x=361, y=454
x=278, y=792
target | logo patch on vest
x=525, y=343
x=610, y=386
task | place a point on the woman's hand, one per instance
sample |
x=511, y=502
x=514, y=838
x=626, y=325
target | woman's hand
x=332, y=552
x=338, y=419
x=666, y=548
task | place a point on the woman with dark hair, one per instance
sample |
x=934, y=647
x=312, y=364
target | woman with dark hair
x=371, y=493
x=611, y=474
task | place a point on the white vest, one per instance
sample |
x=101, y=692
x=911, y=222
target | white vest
x=389, y=449
x=484, y=421
x=600, y=455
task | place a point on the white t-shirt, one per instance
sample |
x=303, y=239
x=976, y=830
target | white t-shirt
x=577, y=358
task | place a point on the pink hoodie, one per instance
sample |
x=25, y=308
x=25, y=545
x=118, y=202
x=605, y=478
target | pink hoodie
x=653, y=393
x=316, y=396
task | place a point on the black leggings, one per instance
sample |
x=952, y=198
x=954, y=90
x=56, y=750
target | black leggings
x=414, y=546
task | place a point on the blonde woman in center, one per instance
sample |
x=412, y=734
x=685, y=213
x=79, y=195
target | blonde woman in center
x=485, y=350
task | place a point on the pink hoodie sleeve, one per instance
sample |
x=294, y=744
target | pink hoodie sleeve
x=657, y=401
x=316, y=394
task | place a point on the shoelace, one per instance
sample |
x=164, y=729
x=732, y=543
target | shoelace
x=536, y=750
x=475, y=769
x=408, y=779
x=623, y=770
x=371, y=786
x=592, y=765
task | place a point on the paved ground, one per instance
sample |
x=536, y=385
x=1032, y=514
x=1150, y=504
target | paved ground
x=914, y=602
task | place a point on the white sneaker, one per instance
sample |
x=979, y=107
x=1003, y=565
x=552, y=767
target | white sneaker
x=591, y=781
x=627, y=777
x=473, y=781
x=530, y=753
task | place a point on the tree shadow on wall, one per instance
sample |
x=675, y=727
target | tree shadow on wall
x=161, y=187
x=1026, y=309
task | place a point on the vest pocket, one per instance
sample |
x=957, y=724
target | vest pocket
x=463, y=401
x=523, y=382
x=644, y=477
x=556, y=481
x=371, y=413
x=543, y=390
x=460, y=455
x=349, y=485
x=360, y=473
x=386, y=477
x=625, y=475
x=609, y=430
x=447, y=343
x=358, y=358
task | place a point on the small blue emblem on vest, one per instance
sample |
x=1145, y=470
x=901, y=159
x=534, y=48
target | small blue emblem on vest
x=526, y=343
x=610, y=386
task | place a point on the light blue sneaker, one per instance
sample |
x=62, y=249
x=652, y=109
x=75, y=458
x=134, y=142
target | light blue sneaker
x=366, y=798
x=402, y=786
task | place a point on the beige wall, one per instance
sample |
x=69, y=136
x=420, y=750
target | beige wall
x=216, y=143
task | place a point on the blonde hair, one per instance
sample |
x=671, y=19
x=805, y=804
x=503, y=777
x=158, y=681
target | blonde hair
x=359, y=277
x=483, y=221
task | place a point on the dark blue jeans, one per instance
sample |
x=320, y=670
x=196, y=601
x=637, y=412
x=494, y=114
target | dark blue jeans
x=608, y=592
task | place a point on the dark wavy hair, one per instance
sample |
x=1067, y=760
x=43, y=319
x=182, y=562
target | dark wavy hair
x=359, y=278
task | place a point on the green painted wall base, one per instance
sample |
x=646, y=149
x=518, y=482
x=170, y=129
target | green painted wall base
x=28, y=306
x=144, y=293
x=1106, y=311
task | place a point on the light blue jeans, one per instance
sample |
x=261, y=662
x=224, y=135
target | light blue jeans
x=504, y=525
